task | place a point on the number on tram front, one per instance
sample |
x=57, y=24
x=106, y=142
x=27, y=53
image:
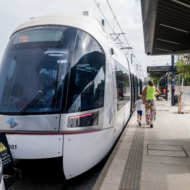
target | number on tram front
x=13, y=147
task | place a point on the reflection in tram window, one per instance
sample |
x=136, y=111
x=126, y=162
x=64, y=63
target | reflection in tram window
x=123, y=85
x=87, y=77
x=34, y=68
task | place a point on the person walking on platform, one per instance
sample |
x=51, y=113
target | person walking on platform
x=150, y=103
x=138, y=105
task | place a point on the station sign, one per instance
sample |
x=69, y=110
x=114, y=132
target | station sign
x=159, y=69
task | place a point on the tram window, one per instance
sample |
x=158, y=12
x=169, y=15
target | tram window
x=33, y=74
x=87, y=76
x=123, y=85
x=9, y=78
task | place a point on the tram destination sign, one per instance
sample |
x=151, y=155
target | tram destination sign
x=159, y=69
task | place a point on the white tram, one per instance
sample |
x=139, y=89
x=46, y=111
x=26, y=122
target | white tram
x=66, y=91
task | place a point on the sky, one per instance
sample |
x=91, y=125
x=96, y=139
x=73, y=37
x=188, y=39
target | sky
x=128, y=13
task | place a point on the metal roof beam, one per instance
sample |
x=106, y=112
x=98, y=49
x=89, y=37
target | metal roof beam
x=174, y=33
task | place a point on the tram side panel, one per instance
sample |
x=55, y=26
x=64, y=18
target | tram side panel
x=83, y=150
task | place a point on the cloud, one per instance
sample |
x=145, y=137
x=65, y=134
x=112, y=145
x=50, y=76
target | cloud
x=128, y=13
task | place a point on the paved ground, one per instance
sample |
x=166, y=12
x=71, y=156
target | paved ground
x=186, y=95
x=164, y=162
x=47, y=174
x=43, y=174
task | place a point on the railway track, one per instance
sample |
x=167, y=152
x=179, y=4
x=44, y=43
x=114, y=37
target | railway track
x=47, y=174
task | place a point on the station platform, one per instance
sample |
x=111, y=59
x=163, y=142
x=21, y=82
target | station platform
x=151, y=158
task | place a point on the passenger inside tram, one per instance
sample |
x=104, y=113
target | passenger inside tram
x=16, y=93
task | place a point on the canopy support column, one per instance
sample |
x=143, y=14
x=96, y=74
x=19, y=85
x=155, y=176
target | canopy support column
x=172, y=82
x=166, y=78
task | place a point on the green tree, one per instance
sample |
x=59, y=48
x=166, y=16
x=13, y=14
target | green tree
x=155, y=80
x=186, y=57
x=183, y=66
x=186, y=80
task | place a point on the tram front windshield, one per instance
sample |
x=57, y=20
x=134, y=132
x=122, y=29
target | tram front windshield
x=33, y=70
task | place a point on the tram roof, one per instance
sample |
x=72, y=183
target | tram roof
x=166, y=26
x=72, y=20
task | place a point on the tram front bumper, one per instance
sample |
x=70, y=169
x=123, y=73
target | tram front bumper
x=31, y=146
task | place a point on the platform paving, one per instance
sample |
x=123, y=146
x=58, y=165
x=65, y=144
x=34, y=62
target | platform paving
x=164, y=158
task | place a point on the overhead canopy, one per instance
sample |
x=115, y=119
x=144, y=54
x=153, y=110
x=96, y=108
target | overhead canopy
x=166, y=25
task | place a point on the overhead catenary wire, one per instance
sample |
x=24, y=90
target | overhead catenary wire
x=120, y=28
x=98, y=5
x=117, y=25
x=103, y=15
x=105, y=18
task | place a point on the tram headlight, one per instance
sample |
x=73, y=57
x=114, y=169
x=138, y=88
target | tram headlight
x=84, y=120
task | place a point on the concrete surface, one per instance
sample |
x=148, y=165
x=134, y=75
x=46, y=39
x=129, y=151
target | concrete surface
x=166, y=151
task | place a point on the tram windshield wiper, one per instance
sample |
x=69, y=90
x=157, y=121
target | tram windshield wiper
x=52, y=85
